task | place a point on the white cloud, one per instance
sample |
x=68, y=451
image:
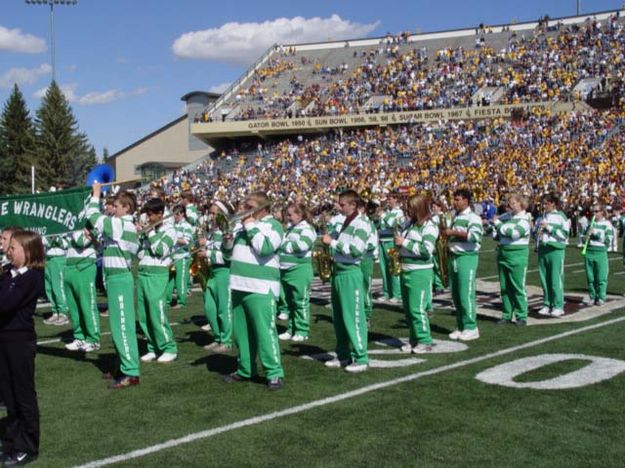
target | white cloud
x=220, y=88
x=14, y=40
x=92, y=98
x=241, y=43
x=24, y=76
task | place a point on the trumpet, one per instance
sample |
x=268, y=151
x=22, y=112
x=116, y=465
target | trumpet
x=227, y=224
x=149, y=226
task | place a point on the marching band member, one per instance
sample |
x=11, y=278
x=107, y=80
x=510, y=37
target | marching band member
x=391, y=219
x=296, y=272
x=598, y=235
x=370, y=256
x=155, y=257
x=417, y=242
x=120, y=247
x=437, y=213
x=465, y=237
x=217, y=305
x=350, y=324
x=80, y=291
x=255, y=286
x=179, y=279
x=56, y=250
x=553, y=234
x=187, y=200
x=513, y=231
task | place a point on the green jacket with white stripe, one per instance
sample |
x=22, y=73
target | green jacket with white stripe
x=215, y=250
x=296, y=248
x=156, y=248
x=514, y=231
x=350, y=244
x=390, y=220
x=80, y=251
x=601, y=235
x=468, y=222
x=556, y=234
x=192, y=214
x=119, y=235
x=418, y=247
x=183, y=231
x=255, y=263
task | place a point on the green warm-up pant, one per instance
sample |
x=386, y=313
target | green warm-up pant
x=120, y=289
x=597, y=269
x=179, y=280
x=366, y=266
x=281, y=306
x=390, y=283
x=296, y=283
x=217, y=305
x=152, y=311
x=512, y=268
x=438, y=282
x=81, y=300
x=350, y=324
x=551, y=273
x=462, y=273
x=416, y=292
x=55, y=284
x=254, y=325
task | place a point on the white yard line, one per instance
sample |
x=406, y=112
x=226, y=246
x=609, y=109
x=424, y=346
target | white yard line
x=172, y=443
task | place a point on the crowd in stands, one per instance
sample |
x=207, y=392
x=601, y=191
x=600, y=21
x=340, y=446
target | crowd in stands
x=579, y=154
x=540, y=65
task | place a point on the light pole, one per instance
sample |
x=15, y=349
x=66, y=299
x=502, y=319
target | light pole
x=52, y=39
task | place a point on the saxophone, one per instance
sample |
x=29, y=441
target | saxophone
x=322, y=260
x=200, y=268
x=394, y=259
x=441, y=250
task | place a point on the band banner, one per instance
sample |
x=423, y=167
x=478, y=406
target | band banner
x=46, y=213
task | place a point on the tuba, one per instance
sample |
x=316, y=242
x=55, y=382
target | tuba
x=441, y=251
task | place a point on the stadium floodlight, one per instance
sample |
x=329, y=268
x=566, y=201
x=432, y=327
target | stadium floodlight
x=52, y=38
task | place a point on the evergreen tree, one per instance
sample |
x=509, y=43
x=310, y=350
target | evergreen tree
x=64, y=153
x=16, y=145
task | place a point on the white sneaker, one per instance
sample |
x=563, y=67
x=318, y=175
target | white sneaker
x=557, y=313
x=285, y=336
x=51, y=320
x=206, y=327
x=587, y=301
x=283, y=316
x=394, y=300
x=149, y=357
x=336, y=363
x=469, y=335
x=299, y=338
x=62, y=319
x=422, y=348
x=75, y=345
x=355, y=368
x=90, y=347
x=455, y=335
x=406, y=348
x=544, y=311
x=599, y=302
x=167, y=357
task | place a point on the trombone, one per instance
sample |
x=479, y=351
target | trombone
x=149, y=226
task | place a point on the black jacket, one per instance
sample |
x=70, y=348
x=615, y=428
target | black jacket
x=18, y=300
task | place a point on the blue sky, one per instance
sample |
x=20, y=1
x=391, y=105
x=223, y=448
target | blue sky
x=124, y=64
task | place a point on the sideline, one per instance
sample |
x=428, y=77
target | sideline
x=333, y=399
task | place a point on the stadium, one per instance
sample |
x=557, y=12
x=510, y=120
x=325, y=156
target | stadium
x=530, y=109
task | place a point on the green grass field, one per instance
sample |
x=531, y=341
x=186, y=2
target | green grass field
x=442, y=416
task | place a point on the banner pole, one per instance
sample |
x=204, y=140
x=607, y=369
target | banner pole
x=32, y=179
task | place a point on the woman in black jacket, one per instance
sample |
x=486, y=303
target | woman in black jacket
x=20, y=286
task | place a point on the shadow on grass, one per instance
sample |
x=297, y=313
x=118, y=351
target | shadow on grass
x=300, y=349
x=103, y=362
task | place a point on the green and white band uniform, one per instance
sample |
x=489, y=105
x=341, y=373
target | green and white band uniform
x=217, y=305
x=462, y=267
x=551, y=248
x=255, y=286
x=155, y=258
x=513, y=232
x=438, y=282
x=192, y=214
x=181, y=257
x=372, y=254
x=390, y=220
x=600, y=236
x=56, y=248
x=335, y=224
x=348, y=295
x=119, y=238
x=80, y=291
x=296, y=275
x=416, y=253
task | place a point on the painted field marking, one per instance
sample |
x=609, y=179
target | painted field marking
x=333, y=399
x=58, y=340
